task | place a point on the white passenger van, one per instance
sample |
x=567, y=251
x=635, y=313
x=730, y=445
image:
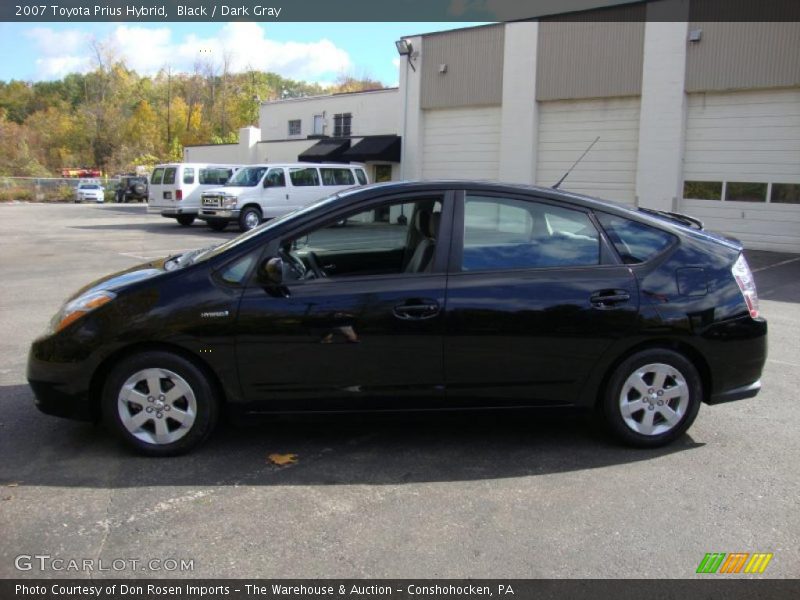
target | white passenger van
x=266, y=191
x=175, y=188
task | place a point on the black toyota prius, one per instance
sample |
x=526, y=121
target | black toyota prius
x=416, y=296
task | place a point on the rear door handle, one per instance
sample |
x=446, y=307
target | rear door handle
x=609, y=298
x=416, y=310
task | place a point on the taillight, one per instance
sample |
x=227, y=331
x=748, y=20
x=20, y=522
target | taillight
x=178, y=194
x=747, y=285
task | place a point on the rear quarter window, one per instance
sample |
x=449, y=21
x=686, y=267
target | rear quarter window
x=635, y=242
x=188, y=175
x=169, y=175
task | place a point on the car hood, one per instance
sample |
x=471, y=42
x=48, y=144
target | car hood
x=119, y=281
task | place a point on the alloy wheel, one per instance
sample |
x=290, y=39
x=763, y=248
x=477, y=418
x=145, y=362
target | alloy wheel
x=654, y=399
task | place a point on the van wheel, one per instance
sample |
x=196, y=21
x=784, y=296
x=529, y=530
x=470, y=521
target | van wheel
x=249, y=218
x=185, y=220
x=217, y=225
x=652, y=398
x=159, y=403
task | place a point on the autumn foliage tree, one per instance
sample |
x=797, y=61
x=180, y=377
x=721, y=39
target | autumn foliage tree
x=114, y=119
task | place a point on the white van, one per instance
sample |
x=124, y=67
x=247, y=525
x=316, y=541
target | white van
x=259, y=192
x=175, y=188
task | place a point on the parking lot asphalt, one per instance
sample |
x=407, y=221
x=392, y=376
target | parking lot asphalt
x=421, y=496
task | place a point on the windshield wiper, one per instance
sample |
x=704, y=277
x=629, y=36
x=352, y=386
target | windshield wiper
x=673, y=216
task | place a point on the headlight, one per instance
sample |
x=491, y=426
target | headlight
x=82, y=305
x=229, y=201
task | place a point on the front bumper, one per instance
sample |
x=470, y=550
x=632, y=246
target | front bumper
x=60, y=389
x=218, y=213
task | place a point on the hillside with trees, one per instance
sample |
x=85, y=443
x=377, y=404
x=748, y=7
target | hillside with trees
x=114, y=119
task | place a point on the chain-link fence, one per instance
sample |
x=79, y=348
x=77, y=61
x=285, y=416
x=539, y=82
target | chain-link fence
x=50, y=189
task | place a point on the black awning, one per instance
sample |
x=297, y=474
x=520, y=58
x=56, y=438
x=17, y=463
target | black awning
x=379, y=147
x=327, y=150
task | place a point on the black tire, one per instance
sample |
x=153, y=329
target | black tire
x=217, y=225
x=207, y=405
x=245, y=217
x=185, y=220
x=612, y=399
x=139, y=189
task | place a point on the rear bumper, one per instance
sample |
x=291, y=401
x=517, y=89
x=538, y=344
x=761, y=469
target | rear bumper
x=171, y=213
x=740, y=393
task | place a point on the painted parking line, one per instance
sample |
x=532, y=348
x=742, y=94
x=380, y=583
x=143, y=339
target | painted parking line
x=777, y=264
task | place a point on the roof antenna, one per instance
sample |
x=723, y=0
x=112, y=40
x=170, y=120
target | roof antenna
x=560, y=181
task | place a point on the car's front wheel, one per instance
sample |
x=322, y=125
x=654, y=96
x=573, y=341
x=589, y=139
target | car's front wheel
x=652, y=398
x=185, y=220
x=249, y=218
x=159, y=403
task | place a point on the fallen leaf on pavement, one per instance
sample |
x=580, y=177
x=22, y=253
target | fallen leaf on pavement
x=282, y=459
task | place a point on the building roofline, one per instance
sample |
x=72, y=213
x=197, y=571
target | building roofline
x=335, y=95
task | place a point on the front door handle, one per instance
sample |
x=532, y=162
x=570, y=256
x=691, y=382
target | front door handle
x=416, y=310
x=609, y=298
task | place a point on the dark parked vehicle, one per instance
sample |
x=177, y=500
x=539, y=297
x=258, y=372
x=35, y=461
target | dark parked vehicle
x=436, y=295
x=132, y=187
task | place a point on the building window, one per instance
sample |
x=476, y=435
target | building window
x=341, y=124
x=745, y=191
x=785, y=193
x=319, y=124
x=294, y=127
x=383, y=173
x=702, y=190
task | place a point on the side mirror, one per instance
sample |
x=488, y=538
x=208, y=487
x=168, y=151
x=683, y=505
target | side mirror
x=272, y=271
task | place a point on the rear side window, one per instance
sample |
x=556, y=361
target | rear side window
x=635, y=242
x=506, y=233
x=337, y=177
x=362, y=177
x=275, y=178
x=157, y=176
x=169, y=175
x=304, y=177
x=188, y=175
x=212, y=176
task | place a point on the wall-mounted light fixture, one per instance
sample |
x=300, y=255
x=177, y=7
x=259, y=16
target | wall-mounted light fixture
x=695, y=35
x=404, y=48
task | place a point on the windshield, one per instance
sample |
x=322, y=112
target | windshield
x=89, y=187
x=240, y=239
x=247, y=177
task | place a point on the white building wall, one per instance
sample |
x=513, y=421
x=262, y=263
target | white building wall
x=659, y=180
x=411, y=117
x=519, y=117
x=374, y=113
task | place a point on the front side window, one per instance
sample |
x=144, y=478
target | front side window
x=188, y=175
x=634, y=241
x=337, y=177
x=247, y=177
x=169, y=175
x=506, y=233
x=157, y=176
x=275, y=178
x=294, y=127
x=304, y=177
x=342, y=124
x=393, y=238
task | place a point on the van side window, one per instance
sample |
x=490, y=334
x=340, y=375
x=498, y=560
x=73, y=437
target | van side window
x=337, y=177
x=188, y=175
x=276, y=178
x=169, y=175
x=157, y=176
x=362, y=177
x=213, y=176
x=303, y=177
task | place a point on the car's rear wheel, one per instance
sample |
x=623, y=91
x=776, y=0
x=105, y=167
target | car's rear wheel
x=217, y=225
x=159, y=403
x=652, y=398
x=185, y=220
x=249, y=218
